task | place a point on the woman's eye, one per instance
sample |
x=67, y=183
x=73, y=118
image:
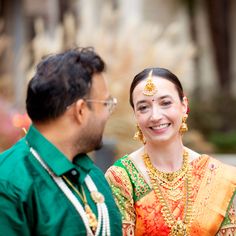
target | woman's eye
x=166, y=103
x=143, y=108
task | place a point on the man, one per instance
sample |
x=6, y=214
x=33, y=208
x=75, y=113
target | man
x=48, y=185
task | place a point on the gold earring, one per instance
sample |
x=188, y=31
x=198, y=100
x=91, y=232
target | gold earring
x=184, y=127
x=139, y=135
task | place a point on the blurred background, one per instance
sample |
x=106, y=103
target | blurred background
x=195, y=39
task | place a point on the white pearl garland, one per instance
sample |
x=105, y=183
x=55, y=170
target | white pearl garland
x=103, y=215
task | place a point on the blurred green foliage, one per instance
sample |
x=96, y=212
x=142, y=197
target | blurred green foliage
x=225, y=142
x=215, y=118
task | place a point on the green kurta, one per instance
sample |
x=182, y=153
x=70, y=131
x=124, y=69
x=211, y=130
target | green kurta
x=30, y=201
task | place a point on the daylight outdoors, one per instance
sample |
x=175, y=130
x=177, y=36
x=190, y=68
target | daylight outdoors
x=196, y=39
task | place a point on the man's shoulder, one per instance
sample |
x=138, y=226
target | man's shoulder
x=14, y=154
x=13, y=165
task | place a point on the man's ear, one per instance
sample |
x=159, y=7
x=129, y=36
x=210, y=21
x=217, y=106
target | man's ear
x=80, y=110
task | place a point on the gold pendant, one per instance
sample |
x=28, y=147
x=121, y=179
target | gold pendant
x=179, y=229
x=97, y=197
x=91, y=217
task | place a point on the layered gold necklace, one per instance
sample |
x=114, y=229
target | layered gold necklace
x=172, y=181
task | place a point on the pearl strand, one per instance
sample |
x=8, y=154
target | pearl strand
x=103, y=215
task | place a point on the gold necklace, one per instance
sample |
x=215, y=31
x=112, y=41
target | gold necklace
x=92, y=219
x=172, y=177
x=177, y=227
x=177, y=178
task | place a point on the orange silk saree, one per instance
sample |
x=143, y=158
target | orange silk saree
x=213, y=191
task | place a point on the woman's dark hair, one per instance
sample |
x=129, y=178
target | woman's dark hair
x=160, y=72
x=60, y=80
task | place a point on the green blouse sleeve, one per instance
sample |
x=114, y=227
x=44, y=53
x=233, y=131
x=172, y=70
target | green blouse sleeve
x=122, y=190
x=228, y=226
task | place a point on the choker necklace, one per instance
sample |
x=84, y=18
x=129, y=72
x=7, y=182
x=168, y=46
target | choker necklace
x=177, y=226
x=169, y=177
x=101, y=225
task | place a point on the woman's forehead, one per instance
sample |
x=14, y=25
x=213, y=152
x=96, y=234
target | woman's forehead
x=162, y=86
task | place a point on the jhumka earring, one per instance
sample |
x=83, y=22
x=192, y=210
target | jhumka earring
x=139, y=135
x=184, y=127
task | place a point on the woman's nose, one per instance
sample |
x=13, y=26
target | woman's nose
x=156, y=113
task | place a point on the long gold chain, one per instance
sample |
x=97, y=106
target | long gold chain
x=93, y=223
x=177, y=227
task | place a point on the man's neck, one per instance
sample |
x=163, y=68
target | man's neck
x=59, y=137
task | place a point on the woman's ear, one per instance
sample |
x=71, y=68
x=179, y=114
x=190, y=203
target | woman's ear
x=185, y=105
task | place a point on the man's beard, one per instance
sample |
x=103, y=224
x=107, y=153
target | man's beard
x=99, y=146
x=96, y=142
x=90, y=142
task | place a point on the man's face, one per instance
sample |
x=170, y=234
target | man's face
x=98, y=114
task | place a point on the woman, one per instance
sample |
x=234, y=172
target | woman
x=165, y=188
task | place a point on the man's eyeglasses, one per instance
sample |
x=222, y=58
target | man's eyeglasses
x=110, y=103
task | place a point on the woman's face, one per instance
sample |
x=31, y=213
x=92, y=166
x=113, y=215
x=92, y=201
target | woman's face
x=159, y=116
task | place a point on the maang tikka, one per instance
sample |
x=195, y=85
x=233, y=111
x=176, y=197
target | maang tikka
x=150, y=88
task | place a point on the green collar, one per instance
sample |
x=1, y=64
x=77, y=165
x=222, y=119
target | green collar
x=54, y=158
x=83, y=165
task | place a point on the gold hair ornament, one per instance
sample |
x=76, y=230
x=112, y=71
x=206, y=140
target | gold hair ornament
x=150, y=88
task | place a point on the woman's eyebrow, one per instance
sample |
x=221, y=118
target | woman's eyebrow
x=140, y=102
x=164, y=96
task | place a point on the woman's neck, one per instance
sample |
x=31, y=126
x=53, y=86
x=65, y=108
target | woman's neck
x=167, y=158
